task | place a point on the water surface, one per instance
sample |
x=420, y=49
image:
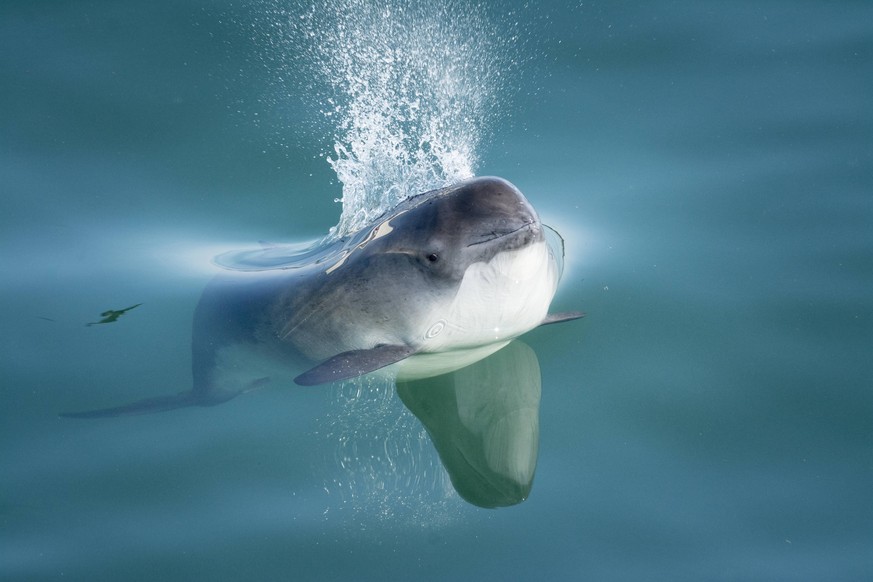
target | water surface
x=710, y=166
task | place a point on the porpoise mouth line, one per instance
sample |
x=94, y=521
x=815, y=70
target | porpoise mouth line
x=527, y=225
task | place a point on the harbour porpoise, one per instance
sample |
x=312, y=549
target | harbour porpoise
x=441, y=281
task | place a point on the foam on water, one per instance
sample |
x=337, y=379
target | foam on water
x=409, y=89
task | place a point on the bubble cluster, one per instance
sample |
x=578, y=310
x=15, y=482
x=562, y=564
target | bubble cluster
x=384, y=465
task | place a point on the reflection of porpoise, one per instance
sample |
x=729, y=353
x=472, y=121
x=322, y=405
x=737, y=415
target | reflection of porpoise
x=484, y=422
x=444, y=279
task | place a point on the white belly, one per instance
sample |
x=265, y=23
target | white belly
x=496, y=301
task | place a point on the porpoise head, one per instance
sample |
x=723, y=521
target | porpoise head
x=458, y=267
x=447, y=230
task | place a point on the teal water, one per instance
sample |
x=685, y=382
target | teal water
x=710, y=166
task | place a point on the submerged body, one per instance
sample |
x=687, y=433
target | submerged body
x=443, y=280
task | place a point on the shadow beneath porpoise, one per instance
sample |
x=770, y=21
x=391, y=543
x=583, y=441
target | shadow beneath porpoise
x=483, y=421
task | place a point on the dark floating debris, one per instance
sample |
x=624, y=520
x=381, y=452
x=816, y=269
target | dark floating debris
x=112, y=315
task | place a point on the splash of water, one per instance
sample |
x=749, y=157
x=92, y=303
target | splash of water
x=410, y=87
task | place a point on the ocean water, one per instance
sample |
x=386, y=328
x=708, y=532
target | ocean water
x=709, y=165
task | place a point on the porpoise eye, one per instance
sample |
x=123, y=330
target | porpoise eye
x=433, y=257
